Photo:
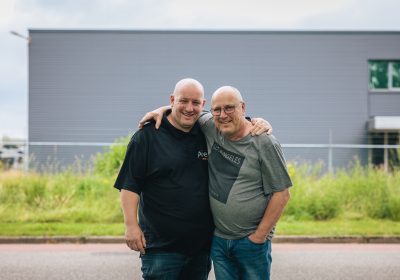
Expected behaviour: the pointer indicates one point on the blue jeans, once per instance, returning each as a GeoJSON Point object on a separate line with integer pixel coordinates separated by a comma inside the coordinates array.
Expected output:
{"type": "Point", "coordinates": [173, 266]}
{"type": "Point", "coordinates": [240, 259]}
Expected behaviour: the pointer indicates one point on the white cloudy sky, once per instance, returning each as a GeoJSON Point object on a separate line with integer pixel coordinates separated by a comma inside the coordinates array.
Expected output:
{"type": "Point", "coordinates": [21, 15]}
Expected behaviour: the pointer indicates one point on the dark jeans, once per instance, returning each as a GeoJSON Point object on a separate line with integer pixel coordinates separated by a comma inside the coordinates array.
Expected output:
{"type": "Point", "coordinates": [163, 265]}
{"type": "Point", "coordinates": [241, 259]}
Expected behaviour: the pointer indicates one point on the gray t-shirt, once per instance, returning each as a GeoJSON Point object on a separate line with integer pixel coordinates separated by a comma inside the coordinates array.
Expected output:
{"type": "Point", "coordinates": [243, 176]}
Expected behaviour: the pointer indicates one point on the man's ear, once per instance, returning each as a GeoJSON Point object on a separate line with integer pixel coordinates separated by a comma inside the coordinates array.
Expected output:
{"type": "Point", "coordinates": [171, 100]}
{"type": "Point", "coordinates": [243, 108]}
{"type": "Point", "coordinates": [204, 102]}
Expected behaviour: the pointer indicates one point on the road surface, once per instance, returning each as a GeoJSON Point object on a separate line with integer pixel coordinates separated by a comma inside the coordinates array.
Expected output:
{"type": "Point", "coordinates": [117, 262]}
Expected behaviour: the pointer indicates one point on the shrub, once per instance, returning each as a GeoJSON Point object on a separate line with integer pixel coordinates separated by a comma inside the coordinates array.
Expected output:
{"type": "Point", "coordinates": [61, 197]}
{"type": "Point", "coordinates": [34, 190]}
{"type": "Point", "coordinates": [313, 195]}
{"type": "Point", "coordinates": [359, 193]}
{"type": "Point", "coordinates": [321, 206]}
{"type": "Point", "coordinates": [394, 208]}
{"type": "Point", "coordinates": [109, 162]}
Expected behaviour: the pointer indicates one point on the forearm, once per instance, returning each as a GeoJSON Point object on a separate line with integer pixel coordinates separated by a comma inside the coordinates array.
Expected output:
{"type": "Point", "coordinates": [164, 108]}
{"type": "Point", "coordinates": [273, 212]}
{"type": "Point", "coordinates": [129, 204]}
{"type": "Point", "coordinates": [133, 234]}
{"type": "Point", "coordinates": [156, 115]}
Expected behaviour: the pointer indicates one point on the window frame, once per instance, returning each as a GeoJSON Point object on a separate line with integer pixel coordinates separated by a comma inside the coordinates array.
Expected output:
{"type": "Point", "coordinates": [390, 71]}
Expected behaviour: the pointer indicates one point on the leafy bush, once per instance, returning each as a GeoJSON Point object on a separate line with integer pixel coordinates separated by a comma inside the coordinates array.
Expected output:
{"type": "Point", "coordinates": [322, 207]}
{"type": "Point", "coordinates": [356, 193]}
{"type": "Point", "coordinates": [312, 195]}
{"type": "Point", "coordinates": [109, 162]}
{"type": "Point", "coordinates": [394, 208]}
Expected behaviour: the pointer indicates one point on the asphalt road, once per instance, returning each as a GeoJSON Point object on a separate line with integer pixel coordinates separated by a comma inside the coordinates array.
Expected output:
{"type": "Point", "coordinates": [115, 262]}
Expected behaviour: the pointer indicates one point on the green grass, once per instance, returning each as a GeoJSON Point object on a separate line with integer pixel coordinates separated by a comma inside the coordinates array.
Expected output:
{"type": "Point", "coordinates": [59, 198]}
{"type": "Point", "coordinates": [61, 229]}
{"type": "Point", "coordinates": [356, 201]}
{"type": "Point", "coordinates": [364, 192]}
{"type": "Point", "coordinates": [339, 227]}
{"type": "Point", "coordinates": [336, 227]}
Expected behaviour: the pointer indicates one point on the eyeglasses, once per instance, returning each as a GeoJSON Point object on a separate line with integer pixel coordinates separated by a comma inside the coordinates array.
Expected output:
{"type": "Point", "coordinates": [228, 109]}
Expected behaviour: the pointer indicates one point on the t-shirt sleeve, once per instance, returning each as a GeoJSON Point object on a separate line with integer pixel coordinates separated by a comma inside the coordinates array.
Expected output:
{"type": "Point", "coordinates": [205, 120]}
{"type": "Point", "coordinates": [133, 170]}
{"type": "Point", "coordinates": [274, 171]}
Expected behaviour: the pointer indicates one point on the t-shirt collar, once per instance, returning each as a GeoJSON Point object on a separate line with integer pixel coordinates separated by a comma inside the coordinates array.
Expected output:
{"type": "Point", "coordinates": [177, 132]}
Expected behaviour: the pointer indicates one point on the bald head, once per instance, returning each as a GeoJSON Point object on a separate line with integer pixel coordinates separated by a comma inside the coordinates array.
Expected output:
{"type": "Point", "coordinates": [228, 109]}
{"type": "Point", "coordinates": [188, 84]}
{"type": "Point", "coordinates": [230, 91]}
{"type": "Point", "coordinates": [187, 102]}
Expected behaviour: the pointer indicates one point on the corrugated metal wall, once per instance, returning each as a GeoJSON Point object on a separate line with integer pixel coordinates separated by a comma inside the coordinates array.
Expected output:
{"type": "Point", "coordinates": [94, 86]}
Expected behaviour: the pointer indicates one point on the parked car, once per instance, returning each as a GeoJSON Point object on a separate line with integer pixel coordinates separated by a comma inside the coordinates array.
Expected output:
{"type": "Point", "coordinates": [10, 155]}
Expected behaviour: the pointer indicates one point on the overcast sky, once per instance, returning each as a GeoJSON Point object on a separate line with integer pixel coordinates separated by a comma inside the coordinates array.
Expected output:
{"type": "Point", "coordinates": [21, 15]}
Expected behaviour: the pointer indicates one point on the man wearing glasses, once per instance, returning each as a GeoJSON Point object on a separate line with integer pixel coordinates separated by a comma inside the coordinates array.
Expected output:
{"type": "Point", "coordinates": [248, 189]}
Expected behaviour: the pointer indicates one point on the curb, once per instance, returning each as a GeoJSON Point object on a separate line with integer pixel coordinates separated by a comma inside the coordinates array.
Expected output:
{"type": "Point", "coordinates": [60, 239]}
{"type": "Point", "coordinates": [338, 239]}
{"type": "Point", "coordinates": [277, 239]}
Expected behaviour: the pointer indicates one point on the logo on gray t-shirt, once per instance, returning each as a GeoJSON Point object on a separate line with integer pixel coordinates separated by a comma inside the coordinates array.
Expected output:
{"type": "Point", "coordinates": [225, 166]}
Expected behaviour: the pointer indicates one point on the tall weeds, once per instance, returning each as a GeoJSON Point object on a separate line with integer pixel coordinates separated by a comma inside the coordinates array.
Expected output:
{"type": "Point", "coordinates": [63, 197]}
{"type": "Point", "coordinates": [357, 193]}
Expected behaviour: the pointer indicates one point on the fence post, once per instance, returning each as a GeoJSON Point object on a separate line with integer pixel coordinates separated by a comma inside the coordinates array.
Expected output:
{"type": "Point", "coordinates": [385, 152]}
{"type": "Point", "coordinates": [26, 156]}
{"type": "Point", "coordinates": [330, 153]}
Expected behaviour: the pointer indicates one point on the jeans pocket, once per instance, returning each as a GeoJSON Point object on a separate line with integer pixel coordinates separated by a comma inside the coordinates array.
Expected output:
{"type": "Point", "coordinates": [253, 243]}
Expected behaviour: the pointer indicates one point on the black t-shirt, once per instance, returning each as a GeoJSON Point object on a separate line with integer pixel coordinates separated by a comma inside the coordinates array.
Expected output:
{"type": "Point", "coordinates": [168, 169]}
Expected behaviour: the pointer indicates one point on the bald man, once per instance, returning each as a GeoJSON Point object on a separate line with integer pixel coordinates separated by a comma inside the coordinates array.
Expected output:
{"type": "Point", "coordinates": [165, 173]}
{"type": "Point", "coordinates": [248, 186]}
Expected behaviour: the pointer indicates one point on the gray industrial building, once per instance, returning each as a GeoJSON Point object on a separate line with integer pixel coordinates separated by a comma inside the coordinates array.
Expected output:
{"type": "Point", "coordinates": [328, 95]}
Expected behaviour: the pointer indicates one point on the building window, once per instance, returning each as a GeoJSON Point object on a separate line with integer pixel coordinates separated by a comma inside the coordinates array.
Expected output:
{"type": "Point", "coordinates": [378, 155]}
{"type": "Point", "coordinates": [395, 74]}
{"type": "Point", "coordinates": [384, 75]}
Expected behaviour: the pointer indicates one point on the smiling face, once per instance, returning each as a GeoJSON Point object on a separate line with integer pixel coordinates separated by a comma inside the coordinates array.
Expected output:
{"type": "Point", "coordinates": [228, 110]}
{"type": "Point", "coordinates": [187, 103]}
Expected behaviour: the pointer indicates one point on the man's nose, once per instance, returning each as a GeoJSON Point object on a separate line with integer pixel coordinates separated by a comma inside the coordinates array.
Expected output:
{"type": "Point", "coordinates": [189, 107]}
{"type": "Point", "coordinates": [223, 114]}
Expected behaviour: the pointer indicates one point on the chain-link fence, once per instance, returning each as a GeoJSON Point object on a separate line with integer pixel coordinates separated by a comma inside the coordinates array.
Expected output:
{"type": "Point", "coordinates": [55, 156]}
